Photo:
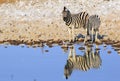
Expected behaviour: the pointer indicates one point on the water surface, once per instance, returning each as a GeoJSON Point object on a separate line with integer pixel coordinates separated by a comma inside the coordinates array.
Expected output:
{"type": "Point", "coordinates": [47, 64]}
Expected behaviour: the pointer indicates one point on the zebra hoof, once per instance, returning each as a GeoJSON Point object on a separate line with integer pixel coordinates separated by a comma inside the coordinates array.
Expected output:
{"type": "Point", "coordinates": [71, 41]}
{"type": "Point", "coordinates": [98, 42]}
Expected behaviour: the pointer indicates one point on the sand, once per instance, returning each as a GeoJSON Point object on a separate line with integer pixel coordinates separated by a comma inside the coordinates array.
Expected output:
{"type": "Point", "coordinates": [31, 22]}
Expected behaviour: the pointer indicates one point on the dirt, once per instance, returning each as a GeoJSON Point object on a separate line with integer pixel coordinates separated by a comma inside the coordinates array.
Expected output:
{"type": "Point", "coordinates": [37, 22]}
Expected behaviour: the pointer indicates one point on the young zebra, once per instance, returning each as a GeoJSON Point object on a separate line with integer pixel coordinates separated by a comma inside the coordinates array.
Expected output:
{"type": "Point", "coordinates": [93, 25]}
{"type": "Point", "coordinates": [89, 60]}
{"type": "Point", "coordinates": [74, 21]}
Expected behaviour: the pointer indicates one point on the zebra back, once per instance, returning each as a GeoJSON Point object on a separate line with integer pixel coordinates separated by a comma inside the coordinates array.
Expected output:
{"type": "Point", "coordinates": [94, 22]}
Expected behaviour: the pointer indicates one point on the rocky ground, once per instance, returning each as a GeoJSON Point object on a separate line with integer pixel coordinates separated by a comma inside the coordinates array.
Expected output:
{"type": "Point", "coordinates": [30, 22]}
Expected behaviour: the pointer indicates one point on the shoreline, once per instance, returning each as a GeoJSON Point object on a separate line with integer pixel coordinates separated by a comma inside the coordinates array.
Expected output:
{"type": "Point", "coordinates": [43, 20]}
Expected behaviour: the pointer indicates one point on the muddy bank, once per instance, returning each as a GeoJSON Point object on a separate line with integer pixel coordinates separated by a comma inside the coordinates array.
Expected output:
{"type": "Point", "coordinates": [31, 22]}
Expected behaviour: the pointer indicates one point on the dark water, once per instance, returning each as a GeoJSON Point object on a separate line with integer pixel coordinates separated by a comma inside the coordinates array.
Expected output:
{"type": "Point", "coordinates": [47, 64]}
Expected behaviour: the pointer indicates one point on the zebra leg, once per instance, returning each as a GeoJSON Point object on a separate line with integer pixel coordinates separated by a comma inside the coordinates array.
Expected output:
{"type": "Point", "coordinates": [69, 31]}
{"type": "Point", "coordinates": [70, 53]}
{"type": "Point", "coordinates": [85, 37]}
{"type": "Point", "coordinates": [96, 46]}
{"type": "Point", "coordinates": [92, 35]}
{"type": "Point", "coordinates": [73, 35]}
{"type": "Point", "coordinates": [74, 54]}
{"type": "Point", "coordinates": [86, 49]}
{"type": "Point", "coordinates": [96, 37]}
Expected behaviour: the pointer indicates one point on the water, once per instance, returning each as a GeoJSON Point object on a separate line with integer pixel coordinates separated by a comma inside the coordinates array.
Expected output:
{"type": "Point", "coordinates": [47, 64]}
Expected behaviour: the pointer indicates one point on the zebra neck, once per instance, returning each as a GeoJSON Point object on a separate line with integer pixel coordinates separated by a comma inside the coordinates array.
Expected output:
{"type": "Point", "coordinates": [68, 20]}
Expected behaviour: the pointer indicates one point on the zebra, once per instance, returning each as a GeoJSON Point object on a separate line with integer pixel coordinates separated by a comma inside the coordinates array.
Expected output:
{"type": "Point", "coordinates": [93, 25]}
{"type": "Point", "coordinates": [89, 60]}
{"type": "Point", "coordinates": [82, 19]}
{"type": "Point", "coordinates": [74, 21]}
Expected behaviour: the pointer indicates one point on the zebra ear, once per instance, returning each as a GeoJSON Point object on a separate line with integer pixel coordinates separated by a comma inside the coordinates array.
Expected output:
{"type": "Point", "coordinates": [64, 8]}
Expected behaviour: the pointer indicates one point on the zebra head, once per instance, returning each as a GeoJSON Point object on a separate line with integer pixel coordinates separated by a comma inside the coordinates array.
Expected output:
{"type": "Point", "coordinates": [68, 70]}
{"type": "Point", "coordinates": [66, 13]}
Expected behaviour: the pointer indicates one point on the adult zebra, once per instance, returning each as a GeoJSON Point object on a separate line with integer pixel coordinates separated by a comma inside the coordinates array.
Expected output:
{"type": "Point", "coordinates": [89, 60]}
{"type": "Point", "coordinates": [79, 20]}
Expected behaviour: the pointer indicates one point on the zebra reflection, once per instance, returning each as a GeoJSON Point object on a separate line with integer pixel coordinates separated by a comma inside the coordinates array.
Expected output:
{"type": "Point", "coordinates": [89, 60]}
